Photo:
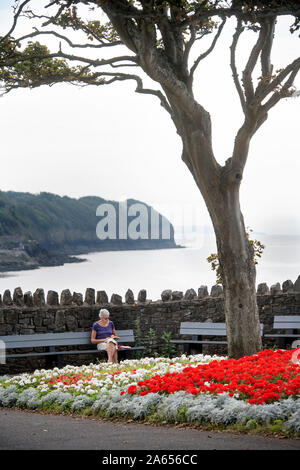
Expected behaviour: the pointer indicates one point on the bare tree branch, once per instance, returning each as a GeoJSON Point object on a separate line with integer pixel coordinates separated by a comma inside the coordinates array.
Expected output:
{"type": "Point", "coordinates": [246, 15]}
{"type": "Point", "coordinates": [284, 92]}
{"type": "Point", "coordinates": [189, 45]}
{"type": "Point", "coordinates": [266, 66]}
{"type": "Point", "coordinates": [59, 11]}
{"type": "Point", "coordinates": [238, 32]}
{"type": "Point", "coordinates": [16, 16]}
{"type": "Point", "coordinates": [65, 38]}
{"type": "Point", "coordinates": [251, 63]}
{"type": "Point", "coordinates": [255, 113]}
{"type": "Point", "coordinates": [167, 33]}
{"type": "Point", "coordinates": [209, 50]}
{"type": "Point", "coordinates": [71, 57]}
{"type": "Point", "coordinates": [95, 62]}
{"type": "Point", "coordinates": [264, 91]}
{"type": "Point", "coordinates": [125, 76]}
{"type": "Point", "coordinates": [75, 23]}
{"type": "Point", "coordinates": [167, 62]}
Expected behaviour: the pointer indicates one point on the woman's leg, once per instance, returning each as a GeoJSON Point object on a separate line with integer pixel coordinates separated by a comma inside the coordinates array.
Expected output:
{"type": "Point", "coordinates": [115, 356]}
{"type": "Point", "coordinates": [111, 352]}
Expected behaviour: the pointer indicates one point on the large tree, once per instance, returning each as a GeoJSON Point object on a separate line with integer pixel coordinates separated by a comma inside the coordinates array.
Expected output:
{"type": "Point", "coordinates": [160, 37]}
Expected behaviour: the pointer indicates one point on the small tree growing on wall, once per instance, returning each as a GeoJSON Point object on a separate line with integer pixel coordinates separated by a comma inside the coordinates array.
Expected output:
{"type": "Point", "coordinates": [213, 259]}
{"type": "Point", "coordinates": [159, 37]}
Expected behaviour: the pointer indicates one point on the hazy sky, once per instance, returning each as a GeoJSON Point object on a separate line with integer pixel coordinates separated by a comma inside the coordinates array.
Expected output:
{"type": "Point", "coordinates": [112, 142]}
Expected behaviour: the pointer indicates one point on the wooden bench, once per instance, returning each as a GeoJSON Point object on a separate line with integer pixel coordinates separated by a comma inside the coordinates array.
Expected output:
{"type": "Point", "coordinates": [52, 341]}
{"type": "Point", "coordinates": [289, 324]}
{"type": "Point", "coordinates": [199, 329]}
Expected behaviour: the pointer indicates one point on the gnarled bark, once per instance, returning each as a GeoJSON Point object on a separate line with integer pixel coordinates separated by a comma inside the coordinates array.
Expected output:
{"type": "Point", "coordinates": [220, 190]}
{"type": "Point", "coordinates": [236, 258]}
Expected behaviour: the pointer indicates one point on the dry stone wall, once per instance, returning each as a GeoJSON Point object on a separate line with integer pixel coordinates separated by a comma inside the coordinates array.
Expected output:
{"type": "Point", "coordinates": [32, 313]}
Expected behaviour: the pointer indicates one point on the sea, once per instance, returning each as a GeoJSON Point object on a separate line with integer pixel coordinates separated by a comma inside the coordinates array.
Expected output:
{"type": "Point", "coordinates": [156, 270]}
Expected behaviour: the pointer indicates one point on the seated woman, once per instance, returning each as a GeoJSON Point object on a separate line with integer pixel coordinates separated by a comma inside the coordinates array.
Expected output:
{"type": "Point", "coordinates": [103, 333]}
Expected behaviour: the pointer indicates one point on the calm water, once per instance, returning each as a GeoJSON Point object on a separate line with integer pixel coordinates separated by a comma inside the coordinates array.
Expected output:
{"type": "Point", "coordinates": [155, 270]}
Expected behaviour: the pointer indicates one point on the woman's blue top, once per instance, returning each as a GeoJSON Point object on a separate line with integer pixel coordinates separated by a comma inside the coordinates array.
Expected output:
{"type": "Point", "coordinates": [103, 332]}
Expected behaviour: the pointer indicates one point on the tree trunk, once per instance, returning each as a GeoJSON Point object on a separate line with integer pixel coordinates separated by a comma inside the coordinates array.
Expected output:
{"type": "Point", "coordinates": [238, 274]}
{"type": "Point", "coordinates": [219, 187]}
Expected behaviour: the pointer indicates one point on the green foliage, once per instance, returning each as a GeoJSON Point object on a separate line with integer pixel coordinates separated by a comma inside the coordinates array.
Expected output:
{"type": "Point", "coordinates": [168, 349]}
{"type": "Point", "coordinates": [213, 259]}
{"type": "Point", "coordinates": [138, 337]}
{"type": "Point", "coordinates": [277, 426]}
{"type": "Point", "coordinates": [252, 424]}
{"type": "Point", "coordinates": [47, 217]}
{"type": "Point", "coordinates": [45, 213]}
{"type": "Point", "coordinates": [34, 66]}
{"type": "Point", "coordinates": [148, 342]}
{"type": "Point", "coordinates": [94, 29]}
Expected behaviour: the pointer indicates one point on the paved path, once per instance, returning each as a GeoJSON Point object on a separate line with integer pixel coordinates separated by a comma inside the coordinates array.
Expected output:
{"type": "Point", "coordinates": [32, 431]}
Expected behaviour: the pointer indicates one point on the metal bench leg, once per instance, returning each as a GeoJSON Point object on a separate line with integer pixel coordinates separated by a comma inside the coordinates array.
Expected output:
{"type": "Point", "coordinates": [49, 362]}
{"type": "Point", "coordinates": [281, 343]}
{"type": "Point", "coordinates": [59, 359]}
{"type": "Point", "coordinates": [126, 353]}
{"type": "Point", "coordinates": [197, 348]}
{"type": "Point", "coordinates": [56, 360]}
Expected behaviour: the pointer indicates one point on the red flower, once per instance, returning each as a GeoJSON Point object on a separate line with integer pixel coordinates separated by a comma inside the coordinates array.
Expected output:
{"type": "Point", "coordinates": [132, 389]}
{"type": "Point", "coordinates": [261, 378]}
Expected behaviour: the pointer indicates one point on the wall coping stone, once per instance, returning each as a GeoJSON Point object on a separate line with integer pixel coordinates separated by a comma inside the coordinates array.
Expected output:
{"type": "Point", "coordinates": [94, 299]}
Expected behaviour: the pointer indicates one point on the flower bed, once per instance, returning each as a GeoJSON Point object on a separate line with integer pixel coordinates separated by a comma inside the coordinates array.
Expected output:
{"type": "Point", "coordinates": [263, 378]}
{"type": "Point", "coordinates": [264, 389]}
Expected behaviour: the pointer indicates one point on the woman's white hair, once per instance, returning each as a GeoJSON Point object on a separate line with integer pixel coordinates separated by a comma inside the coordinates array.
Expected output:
{"type": "Point", "coordinates": [103, 313]}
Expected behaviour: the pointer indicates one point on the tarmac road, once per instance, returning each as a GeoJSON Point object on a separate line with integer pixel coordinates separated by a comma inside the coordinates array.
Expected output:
{"type": "Point", "coordinates": [23, 430]}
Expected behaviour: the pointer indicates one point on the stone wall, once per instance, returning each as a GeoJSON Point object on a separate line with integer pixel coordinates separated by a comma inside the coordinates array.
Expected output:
{"type": "Point", "coordinates": [39, 313]}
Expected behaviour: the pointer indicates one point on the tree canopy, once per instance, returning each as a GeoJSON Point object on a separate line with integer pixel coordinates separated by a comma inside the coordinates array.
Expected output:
{"type": "Point", "coordinates": [163, 38]}
{"type": "Point", "coordinates": [167, 29]}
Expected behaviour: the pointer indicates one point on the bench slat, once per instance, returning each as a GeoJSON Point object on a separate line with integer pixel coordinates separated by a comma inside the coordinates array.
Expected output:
{"type": "Point", "coordinates": [66, 353]}
{"type": "Point", "coordinates": [286, 326]}
{"type": "Point", "coordinates": [287, 317]}
{"type": "Point", "coordinates": [196, 329]}
{"type": "Point", "coordinates": [203, 328]}
{"type": "Point", "coordinates": [286, 322]}
{"type": "Point", "coordinates": [291, 335]}
{"type": "Point", "coordinates": [197, 324]}
{"type": "Point", "coordinates": [44, 343]}
{"type": "Point", "coordinates": [64, 334]}
{"type": "Point", "coordinates": [58, 339]}
{"type": "Point", "coordinates": [52, 340]}
{"type": "Point", "coordinates": [203, 331]}
{"type": "Point", "coordinates": [206, 329]}
{"type": "Point", "coordinates": [186, 341]}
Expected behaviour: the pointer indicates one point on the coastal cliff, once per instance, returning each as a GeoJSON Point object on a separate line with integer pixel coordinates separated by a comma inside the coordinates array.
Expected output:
{"type": "Point", "coordinates": [46, 229]}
